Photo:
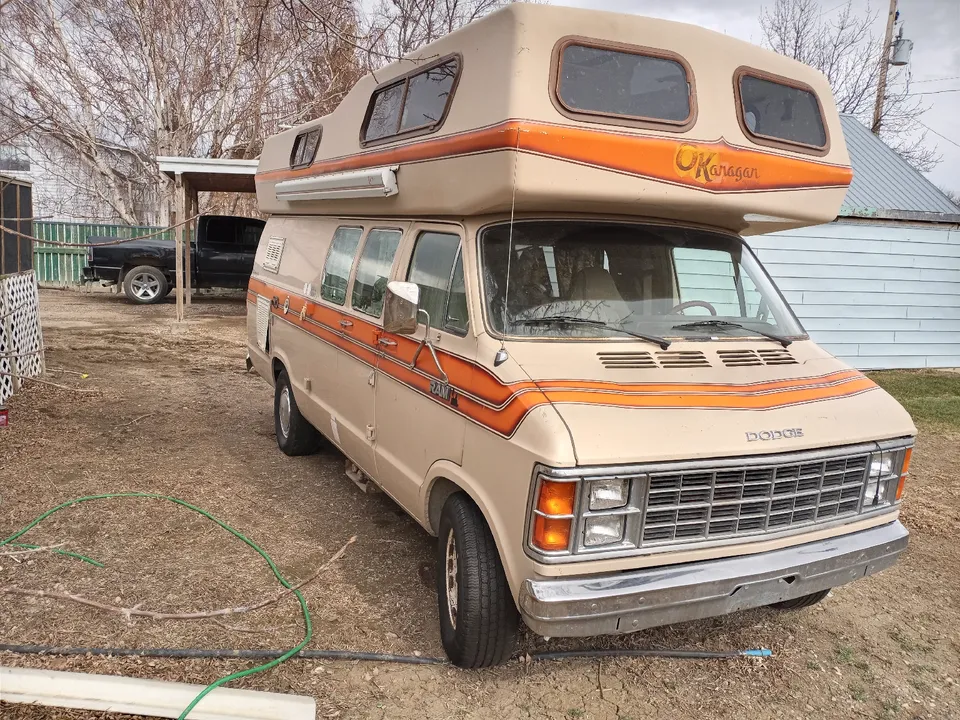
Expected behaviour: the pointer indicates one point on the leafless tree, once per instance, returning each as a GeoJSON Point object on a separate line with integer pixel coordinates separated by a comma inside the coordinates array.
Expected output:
{"type": "Point", "coordinates": [843, 46]}
{"type": "Point", "coordinates": [106, 87]}
{"type": "Point", "coordinates": [952, 195]}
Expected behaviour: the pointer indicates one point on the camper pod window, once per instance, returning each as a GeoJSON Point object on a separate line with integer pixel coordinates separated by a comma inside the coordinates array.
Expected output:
{"type": "Point", "coordinates": [415, 105]}
{"type": "Point", "coordinates": [624, 82]}
{"type": "Point", "coordinates": [571, 279]}
{"type": "Point", "coordinates": [305, 148]}
{"type": "Point", "coordinates": [779, 112]}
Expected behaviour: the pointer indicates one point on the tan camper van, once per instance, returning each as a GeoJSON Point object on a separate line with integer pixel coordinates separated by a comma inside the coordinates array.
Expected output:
{"type": "Point", "coordinates": [506, 278]}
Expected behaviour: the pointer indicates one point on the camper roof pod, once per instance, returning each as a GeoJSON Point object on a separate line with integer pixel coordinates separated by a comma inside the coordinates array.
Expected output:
{"type": "Point", "coordinates": [584, 111]}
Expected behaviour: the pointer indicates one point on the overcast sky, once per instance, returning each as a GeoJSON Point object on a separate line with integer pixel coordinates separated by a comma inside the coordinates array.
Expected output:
{"type": "Point", "coordinates": [933, 25]}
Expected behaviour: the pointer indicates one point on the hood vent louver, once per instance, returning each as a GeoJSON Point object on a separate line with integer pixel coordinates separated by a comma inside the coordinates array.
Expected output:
{"type": "Point", "coordinates": [627, 360]}
{"type": "Point", "coordinates": [682, 359]}
{"type": "Point", "coordinates": [751, 358]}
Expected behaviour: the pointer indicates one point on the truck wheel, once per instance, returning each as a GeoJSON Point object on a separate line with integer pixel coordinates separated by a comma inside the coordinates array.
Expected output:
{"type": "Point", "coordinates": [145, 285]}
{"type": "Point", "coordinates": [295, 435]}
{"type": "Point", "coordinates": [478, 618]}
{"type": "Point", "coordinates": [801, 602]}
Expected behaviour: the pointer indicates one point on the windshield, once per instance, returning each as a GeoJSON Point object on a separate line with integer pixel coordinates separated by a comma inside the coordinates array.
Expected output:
{"type": "Point", "coordinates": [600, 279]}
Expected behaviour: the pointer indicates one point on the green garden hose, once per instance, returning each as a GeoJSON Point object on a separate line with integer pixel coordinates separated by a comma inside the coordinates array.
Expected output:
{"type": "Point", "coordinates": [237, 534]}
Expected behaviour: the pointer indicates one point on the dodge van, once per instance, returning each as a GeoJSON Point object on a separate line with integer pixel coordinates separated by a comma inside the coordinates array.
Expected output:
{"type": "Point", "coordinates": [508, 279]}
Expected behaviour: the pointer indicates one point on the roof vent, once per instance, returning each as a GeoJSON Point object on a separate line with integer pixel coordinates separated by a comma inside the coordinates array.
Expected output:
{"type": "Point", "coordinates": [682, 359]}
{"type": "Point", "coordinates": [750, 358]}
{"type": "Point", "coordinates": [627, 360]}
{"type": "Point", "coordinates": [777, 356]}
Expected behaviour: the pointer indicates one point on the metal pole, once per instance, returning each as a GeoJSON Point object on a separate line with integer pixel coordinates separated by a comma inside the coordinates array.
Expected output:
{"type": "Point", "coordinates": [884, 64]}
{"type": "Point", "coordinates": [180, 204]}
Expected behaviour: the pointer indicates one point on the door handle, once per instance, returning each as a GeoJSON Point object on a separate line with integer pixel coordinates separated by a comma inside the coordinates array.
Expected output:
{"type": "Point", "coordinates": [387, 341]}
{"type": "Point", "coordinates": [346, 324]}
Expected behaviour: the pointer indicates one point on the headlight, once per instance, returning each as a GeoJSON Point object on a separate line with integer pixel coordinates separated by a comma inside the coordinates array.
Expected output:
{"type": "Point", "coordinates": [603, 530]}
{"type": "Point", "coordinates": [885, 477]}
{"type": "Point", "coordinates": [609, 494]}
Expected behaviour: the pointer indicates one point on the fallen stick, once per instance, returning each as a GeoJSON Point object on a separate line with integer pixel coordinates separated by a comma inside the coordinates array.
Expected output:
{"type": "Point", "coordinates": [154, 615]}
{"type": "Point", "coordinates": [135, 420]}
{"type": "Point", "coordinates": [11, 553]}
{"type": "Point", "coordinates": [47, 382]}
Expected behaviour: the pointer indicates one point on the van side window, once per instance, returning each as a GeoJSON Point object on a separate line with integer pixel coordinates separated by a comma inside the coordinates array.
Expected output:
{"type": "Point", "coordinates": [457, 317]}
{"type": "Point", "coordinates": [417, 102]}
{"type": "Point", "coordinates": [373, 272]}
{"type": "Point", "coordinates": [336, 268]}
{"type": "Point", "coordinates": [432, 268]}
{"type": "Point", "coordinates": [777, 111]}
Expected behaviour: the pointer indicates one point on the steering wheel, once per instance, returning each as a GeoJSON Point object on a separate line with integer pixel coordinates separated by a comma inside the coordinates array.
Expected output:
{"type": "Point", "coordinates": [693, 303]}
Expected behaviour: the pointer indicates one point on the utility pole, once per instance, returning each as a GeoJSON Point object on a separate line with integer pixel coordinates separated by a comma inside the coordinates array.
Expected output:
{"type": "Point", "coordinates": [884, 64]}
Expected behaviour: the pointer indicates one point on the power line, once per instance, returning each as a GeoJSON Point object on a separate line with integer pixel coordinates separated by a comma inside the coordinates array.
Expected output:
{"type": "Point", "coordinates": [944, 137]}
{"type": "Point", "coordinates": [934, 92]}
{"type": "Point", "coordinates": [952, 77]}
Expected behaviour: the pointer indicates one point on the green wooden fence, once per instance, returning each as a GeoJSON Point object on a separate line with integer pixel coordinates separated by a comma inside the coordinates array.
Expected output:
{"type": "Point", "coordinates": [63, 266]}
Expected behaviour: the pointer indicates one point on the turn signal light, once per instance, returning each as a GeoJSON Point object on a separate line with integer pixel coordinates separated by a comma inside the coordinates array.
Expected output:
{"type": "Point", "coordinates": [551, 533]}
{"type": "Point", "coordinates": [554, 499]}
{"type": "Point", "coordinates": [904, 471]}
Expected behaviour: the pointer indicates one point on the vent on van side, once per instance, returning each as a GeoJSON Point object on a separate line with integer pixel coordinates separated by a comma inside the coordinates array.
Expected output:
{"type": "Point", "coordinates": [271, 259]}
{"type": "Point", "coordinates": [749, 358]}
{"type": "Point", "coordinates": [627, 360]}
{"type": "Point", "coordinates": [682, 359]}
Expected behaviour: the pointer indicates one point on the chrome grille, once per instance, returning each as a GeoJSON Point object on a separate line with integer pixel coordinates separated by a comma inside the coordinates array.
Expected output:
{"type": "Point", "coordinates": [707, 504]}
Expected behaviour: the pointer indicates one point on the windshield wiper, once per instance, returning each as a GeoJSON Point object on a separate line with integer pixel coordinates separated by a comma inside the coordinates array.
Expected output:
{"type": "Point", "coordinates": [573, 320]}
{"type": "Point", "coordinates": [731, 325]}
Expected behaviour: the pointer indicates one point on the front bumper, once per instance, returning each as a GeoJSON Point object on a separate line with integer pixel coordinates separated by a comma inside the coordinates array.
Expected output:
{"type": "Point", "coordinates": [634, 600]}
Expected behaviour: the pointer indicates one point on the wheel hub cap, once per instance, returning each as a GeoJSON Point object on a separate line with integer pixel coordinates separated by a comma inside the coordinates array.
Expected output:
{"type": "Point", "coordinates": [145, 286]}
{"type": "Point", "coordinates": [451, 578]}
{"type": "Point", "coordinates": [285, 411]}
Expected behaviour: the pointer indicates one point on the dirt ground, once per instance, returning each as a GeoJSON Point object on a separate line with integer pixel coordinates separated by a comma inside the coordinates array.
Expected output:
{"type": "Point", "coordinates": [169, 409]}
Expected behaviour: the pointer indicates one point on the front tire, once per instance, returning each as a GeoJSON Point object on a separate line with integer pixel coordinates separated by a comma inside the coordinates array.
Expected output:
{"type": "Point", "coordinates": [295, 434]}
{"type": "Point", "coordinates": [478, 618]}
{"type": "Point", "coordinates": [801, 602]}
{"type": "Point", "coordinates": [145, 285]}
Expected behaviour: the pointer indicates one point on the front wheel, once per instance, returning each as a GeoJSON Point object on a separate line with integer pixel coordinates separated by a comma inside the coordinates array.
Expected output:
{"type": "Point", "coordinates": [801, 602]}
{"type": "Point", "coordinates": [145, 285]}
{"type": "Point", "coordinates": [478, 618]}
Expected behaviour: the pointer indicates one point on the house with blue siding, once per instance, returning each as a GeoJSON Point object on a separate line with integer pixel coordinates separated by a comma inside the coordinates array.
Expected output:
{"type": "Point", "coordinates": [880, 286]}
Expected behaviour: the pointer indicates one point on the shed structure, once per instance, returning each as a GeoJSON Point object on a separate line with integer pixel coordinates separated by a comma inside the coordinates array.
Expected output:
{"type": "Point", "coordinates": [880, 286]}
{"type": "Point", "coordinates": [191, 176]}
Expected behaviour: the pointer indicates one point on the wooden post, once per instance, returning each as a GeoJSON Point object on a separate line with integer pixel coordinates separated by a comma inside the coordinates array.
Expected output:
{"type": "Point", "coordinates": [180, 205]}
{"type": "Point", "coordinates": [192, 204]}
{"type": "Point", "coordinates": [884, 64]}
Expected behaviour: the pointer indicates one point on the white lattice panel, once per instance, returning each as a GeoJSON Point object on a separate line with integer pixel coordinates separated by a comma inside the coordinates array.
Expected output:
{"type": "Point", "coordinates": [21, 340]}
{"type": "Point", "coordinates": [263, 322]}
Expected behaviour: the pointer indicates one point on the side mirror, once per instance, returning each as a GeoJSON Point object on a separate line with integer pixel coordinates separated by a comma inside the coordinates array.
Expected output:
{"type": "Point", "coordinates": [401, 308]}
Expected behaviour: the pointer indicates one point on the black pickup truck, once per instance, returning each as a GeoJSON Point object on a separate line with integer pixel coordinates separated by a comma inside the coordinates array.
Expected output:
{"type": "Point", "coordinates": [221, 256]}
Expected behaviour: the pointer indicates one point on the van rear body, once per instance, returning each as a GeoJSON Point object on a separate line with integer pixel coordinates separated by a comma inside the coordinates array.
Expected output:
{"type": "Point", "coordinates": [509, 283]}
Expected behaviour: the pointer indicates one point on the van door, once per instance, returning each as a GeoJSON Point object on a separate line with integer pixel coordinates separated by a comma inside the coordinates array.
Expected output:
{"type": "Point", "coordinates": [360, 326]}
{"type": "Point", "coordinates": [417, 419]}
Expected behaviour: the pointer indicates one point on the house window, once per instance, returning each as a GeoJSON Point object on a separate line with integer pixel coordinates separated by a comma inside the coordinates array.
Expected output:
{"type": "Point", "coordinates": [417, 103]}
{"type": "Point", "coordinates": [305, 148]}
{"type": "Point", "coordinates": [13, 159]}
{"type": "Point", "coordinates": [623, 83]}
{"type": "Point", "coordinates": [774, 112]}
{"type": "Point", "coordinates": [437, 267]}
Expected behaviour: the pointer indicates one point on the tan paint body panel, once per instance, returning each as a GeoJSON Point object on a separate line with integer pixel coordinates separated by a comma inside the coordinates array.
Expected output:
{"type": "Point", "coordinates": [504, 122]}
{"type": "Point", "coordinates": [553, 402]}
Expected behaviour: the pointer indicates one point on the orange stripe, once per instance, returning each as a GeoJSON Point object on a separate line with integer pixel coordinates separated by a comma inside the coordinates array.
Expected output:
{"type": "Point", "coordinates": [715, 166]}
{"type": "Point", "coordinates": [502, 406]}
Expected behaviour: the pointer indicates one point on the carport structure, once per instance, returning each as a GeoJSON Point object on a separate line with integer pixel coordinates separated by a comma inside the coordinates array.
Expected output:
{"type": "Point", "coordinates": [191, 176]}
